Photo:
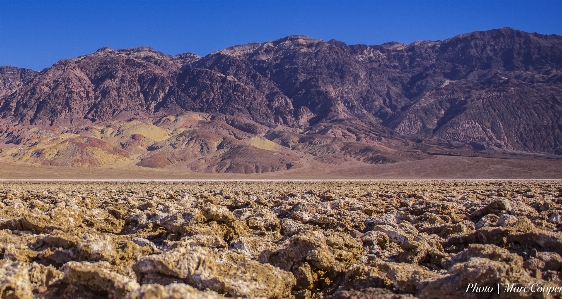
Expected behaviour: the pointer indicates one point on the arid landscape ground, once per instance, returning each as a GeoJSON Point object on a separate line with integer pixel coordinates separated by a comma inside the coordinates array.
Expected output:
{"type": "Point", "coordinates": [293, 168]}
{"type": "Point", "coordinates": [438, 167]}
{"type": "Point", "coordinates": [332, 239]}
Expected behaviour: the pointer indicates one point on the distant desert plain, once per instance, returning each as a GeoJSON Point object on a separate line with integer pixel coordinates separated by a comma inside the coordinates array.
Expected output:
{"type": "Point", "coordinates": [435, 168]}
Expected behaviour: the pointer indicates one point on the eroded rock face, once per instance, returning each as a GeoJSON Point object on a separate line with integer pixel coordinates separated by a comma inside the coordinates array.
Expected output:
{"type": "Point", "coordinates": [440, 89]}
{"type": "Point", "coordinates": [278, 239]}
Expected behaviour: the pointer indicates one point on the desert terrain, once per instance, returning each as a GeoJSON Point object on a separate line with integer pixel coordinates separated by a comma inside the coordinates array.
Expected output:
{"type": "Point", "coordinates": [273, 239]}
{"type": "Point", "coordinates": [437, 167]}
{"type": "Point", "coordinates": [292, 168]}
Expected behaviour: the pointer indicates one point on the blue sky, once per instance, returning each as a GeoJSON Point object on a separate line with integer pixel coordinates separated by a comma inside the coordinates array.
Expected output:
{"type": "Point", "coordinates": [36, 34]}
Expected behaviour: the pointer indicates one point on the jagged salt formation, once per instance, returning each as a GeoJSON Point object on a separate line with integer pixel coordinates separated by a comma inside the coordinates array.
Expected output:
{"type": "Point", "coordinates": [278, 239]}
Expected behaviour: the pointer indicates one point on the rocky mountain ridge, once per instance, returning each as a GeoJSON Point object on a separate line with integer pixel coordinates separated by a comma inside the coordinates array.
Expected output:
{"type": "Point", "coordinates": [497, 90]}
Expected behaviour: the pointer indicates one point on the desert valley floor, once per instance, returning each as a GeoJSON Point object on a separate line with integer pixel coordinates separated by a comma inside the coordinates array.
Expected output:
{"type": "Point", "coordinates": [438, 167]}
{"type": "Point", "coordinates": [305, 239]}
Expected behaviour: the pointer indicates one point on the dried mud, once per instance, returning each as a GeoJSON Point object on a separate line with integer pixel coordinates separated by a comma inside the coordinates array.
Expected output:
{"type": "Point", "coordinates": [336, 239]}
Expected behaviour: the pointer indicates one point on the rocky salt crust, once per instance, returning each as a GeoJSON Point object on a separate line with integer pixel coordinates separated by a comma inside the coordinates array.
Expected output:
{"type": "Point", "coordinates": [280, 239]}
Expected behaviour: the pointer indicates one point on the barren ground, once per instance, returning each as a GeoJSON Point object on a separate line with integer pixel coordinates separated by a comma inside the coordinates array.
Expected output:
{"type": "Point", "coordinates": [439, 167]}
{"type": "Point", "coordinates": [338, 239]}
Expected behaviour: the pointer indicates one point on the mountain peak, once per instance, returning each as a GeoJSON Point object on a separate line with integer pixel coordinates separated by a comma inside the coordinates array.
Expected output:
{"type": "Point", "coordinates": [298, 39]}
{"type": "Point", "coordinates": [141, 49]}
{"type": "Point", "coordinates": [104, 50]}
{"type": "Point", "coordinates": [504, 32]}
{"type": "Point", "coordinates": [301, 37]}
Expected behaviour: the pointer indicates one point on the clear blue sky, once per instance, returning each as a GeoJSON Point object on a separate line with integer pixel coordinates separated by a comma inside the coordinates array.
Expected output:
{"type": "Point", "coordinates": [36, 34]}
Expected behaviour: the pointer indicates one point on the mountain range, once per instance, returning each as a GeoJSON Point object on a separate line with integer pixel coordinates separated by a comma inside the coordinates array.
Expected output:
{"type": "Point", "coordinates": [288, 104]}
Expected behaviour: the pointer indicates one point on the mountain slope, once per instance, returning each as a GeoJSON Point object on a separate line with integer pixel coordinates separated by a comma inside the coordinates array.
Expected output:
{"type": "Point", "coordinates": [11, 78]}
{"type": "Point", "coordinates": [328, 101]}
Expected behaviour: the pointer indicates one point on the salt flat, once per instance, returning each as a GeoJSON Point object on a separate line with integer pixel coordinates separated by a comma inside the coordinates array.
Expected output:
{"type": "Point", "coordinates": [277, 239]}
